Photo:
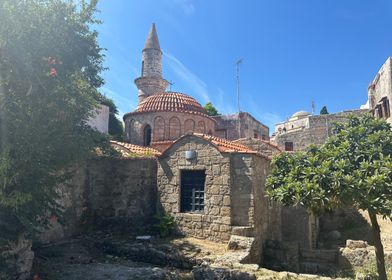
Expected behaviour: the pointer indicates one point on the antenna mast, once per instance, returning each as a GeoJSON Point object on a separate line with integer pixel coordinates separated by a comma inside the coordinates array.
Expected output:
{"type": "Point", "coordinates": [170, 85]}
{"type": "Point", "coordinates": [239, 61]}
{"type": "Point", "coordinates": [313, 108]}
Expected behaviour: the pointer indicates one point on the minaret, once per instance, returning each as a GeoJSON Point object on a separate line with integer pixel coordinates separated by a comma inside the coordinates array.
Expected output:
{"type": "Point", "coordinates": [151, 81]}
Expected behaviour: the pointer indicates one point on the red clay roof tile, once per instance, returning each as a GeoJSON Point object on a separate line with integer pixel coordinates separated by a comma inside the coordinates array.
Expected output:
{"type": "Point", "coordinates": [129, 150]}
{"type": "Point", "coordinates": [170, 101]}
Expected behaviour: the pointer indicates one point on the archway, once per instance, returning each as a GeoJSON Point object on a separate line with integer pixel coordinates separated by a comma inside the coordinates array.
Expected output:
{"type": "Point", "coordinates": [147, 135]}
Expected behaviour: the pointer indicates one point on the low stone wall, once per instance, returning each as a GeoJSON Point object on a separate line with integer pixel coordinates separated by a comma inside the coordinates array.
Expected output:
{"type": "Point", "coordinates": [299, 227]}
{"type": "Point", "coordinates": [16, 259]}
{"type": "Point", "coordinates": [107, 193]}
{"type": "Point", "coordinates": [121, 194]}
{"type": "Point", "coordinates": [358, 253]}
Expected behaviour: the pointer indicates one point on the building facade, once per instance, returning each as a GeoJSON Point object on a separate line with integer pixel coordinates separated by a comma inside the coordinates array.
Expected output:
{"type": "Point", "coordinates": [214, 188]}
{"type": "Point", "coordinates": [380, 92]}
{"type": "Point", "coordinates": [303, 129]}
{"type": "Point", "coordinates": [99, 119]}
{"type": "Point", "coordinates": [240, 125]}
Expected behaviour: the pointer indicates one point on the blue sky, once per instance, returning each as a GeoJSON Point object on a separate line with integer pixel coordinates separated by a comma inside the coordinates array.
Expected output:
{"type": "Point", "coordinates": [294, 51]}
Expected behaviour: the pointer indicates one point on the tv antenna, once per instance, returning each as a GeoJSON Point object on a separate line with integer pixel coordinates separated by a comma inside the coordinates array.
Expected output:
{"type": "Point", "coordinates": [239, 61]}
{"type": "Point", "coordinates": [170, 85]}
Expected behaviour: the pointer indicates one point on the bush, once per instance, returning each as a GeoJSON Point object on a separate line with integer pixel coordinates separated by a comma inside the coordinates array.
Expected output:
{"type": "Point", "coordinates": [166, 225]}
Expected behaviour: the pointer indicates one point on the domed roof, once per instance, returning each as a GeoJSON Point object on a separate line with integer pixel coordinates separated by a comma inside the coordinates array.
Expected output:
{"type": "Point", "coordinates": [170, 102]}
{"type": "Point", "coordinates": [300, 114]}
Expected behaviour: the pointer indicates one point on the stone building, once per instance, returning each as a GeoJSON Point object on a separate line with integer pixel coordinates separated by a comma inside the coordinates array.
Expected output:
{"type": "Point", "coordinates": [99, 119]}
{"type": "Point", "coordinates": [240, 125]}
{"type": "Point", "coordinates": [264, 147]}
{"type": "Point", "coordinates": [215, 188]}
{"type": "Point", "coordinates": [165, 117]}
{"type": "Point", "coordinates": [162, 117]}
{"type": "Point", "coordinates": [303, 129]}
{"type": "Point", "coordinates": [380, 92]}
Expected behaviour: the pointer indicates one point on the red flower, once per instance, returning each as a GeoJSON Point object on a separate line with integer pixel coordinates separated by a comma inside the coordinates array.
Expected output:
{"type": "Point", "coordinates": [53, 72]}
{"type": "Point", "coordinates": [53, 218]}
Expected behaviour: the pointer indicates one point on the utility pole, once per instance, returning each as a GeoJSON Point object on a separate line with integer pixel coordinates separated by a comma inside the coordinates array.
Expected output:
{"type": "Point", "coordinates": [239, 61]}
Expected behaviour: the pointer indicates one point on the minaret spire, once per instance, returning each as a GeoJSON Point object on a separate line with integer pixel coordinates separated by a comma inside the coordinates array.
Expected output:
{"type": "Point", "coordinates": [152, 41]}
{"type": "Point", "coordinates": [151, 81]}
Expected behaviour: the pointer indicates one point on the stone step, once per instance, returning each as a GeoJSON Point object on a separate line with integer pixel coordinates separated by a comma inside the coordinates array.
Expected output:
{"type": "Point", "coordinates": [317, 268]}
{"type": "Point", "coordinates": [320, 256]}
{"type": "Point", "coordinates": [243, 231]}
{"type": "Point", "coordinates": [238, 242]}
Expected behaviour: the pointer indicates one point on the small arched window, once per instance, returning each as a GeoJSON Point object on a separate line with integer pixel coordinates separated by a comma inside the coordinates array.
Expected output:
{"type": "Point", "coordinates": [147, 135]}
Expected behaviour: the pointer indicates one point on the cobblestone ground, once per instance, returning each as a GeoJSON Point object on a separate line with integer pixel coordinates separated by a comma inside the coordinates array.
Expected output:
{"type": "Point", "coordinates": [97, 258]}
{"type": "Point", "coordinates": [87, 258]}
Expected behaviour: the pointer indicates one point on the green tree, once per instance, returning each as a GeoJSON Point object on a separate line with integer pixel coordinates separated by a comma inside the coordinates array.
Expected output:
{"type": "Point", "coordinates": [210, 109]}
{"type": "Point", "coordinates": [116, 128]}
{"type": "Point", "coordinates": [324, 111]}
{"type": "Point", "coordinates": [353, 168]}
{"type": "Point", "coordinates": [50, 63]}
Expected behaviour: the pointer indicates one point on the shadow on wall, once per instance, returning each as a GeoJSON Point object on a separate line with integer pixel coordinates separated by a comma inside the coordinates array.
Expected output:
{"type": "Point", "coordinates": [120, 195]}
{"type": "Point", "coordinates": [341, 224]}
{"type": "Point", "coordinates": [241, 193]}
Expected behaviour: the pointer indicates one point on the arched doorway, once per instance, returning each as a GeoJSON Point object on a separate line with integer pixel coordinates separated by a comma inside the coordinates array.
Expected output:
{"type": "Point", "coordinates": [147, 135]}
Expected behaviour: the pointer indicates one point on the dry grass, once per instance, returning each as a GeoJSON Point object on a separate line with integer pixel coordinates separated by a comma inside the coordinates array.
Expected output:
{"type": "Point", "coordinates": [201, 245]}
{"type": "Point", "coordinates": [386, 229]}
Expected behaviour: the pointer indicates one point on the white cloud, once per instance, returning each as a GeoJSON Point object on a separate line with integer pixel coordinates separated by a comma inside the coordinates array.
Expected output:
{"type": "Point", "coordinates": [267, 118]}
{"type": "Point", "coordinates": [271, 118]}
{"type": "Point", "coordinates": [222, 104]}
{"type": "Point", "coordinates": [194, 82]}
{"type": "Point", "coordinates": [187, 6]}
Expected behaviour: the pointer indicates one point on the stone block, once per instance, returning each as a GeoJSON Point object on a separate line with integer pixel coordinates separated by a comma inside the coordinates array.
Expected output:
{"type": "Point", "coordinates": [216, 169]}
{"type": "Point", "coordinates": [225, 211]}
{"type": "Point", "coordinates": [226, 200]}
{"type": "Point", "coordinates": [214, 189]}
{"type": "Point", "coordinates": [216, 199]}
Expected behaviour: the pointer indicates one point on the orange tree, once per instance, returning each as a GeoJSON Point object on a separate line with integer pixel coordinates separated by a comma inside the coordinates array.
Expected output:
{"type": "Point", "coordinates": [353, 168]}
{"type": "Point", "coordinates": [50, 64]}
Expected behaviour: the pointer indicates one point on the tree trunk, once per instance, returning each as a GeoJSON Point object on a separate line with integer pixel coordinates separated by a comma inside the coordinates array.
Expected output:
{"type": "Point", "coordinates": [382, 275]}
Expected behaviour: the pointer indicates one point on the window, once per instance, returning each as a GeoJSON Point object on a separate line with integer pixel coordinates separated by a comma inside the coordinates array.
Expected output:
{"type": "Point", "coordinates": [385, 107]}
{"type": "Point", "coordinates": [192, 190]}
{"type": "Point", "coordinates": [142, 67]}
{"type": "Point", "coordinates": [378, 111]}
{"type": "Point", "coordinates": [288, 146]}
{"type": "Point", "coordinates": [147, 135]}
{"type": "Point", "coordinates": [255, 134]}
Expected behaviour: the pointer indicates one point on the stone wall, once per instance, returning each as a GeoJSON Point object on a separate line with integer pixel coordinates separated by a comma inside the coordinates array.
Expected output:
{"type": "Point", "coordinates": [16, 259]}
{"type": "Point", "coordinates": [298, 227]}
{"type": "Point", "coordinates": [319, 129]}
{"type": "Point", "coordinates": [215, 222]}
{"type": "Point", "coordinates": [165, 125]}
{"type": "Point", "coordinates": [121, 194]}
{"type": "Point", "coordinates": [107, 193]}
{"type": "Point", "coordinates": [241, 125]}
{"type": "Point", "coordinates": [264, 147]}
{"type": "Point", "coordinates": [292, 124]}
